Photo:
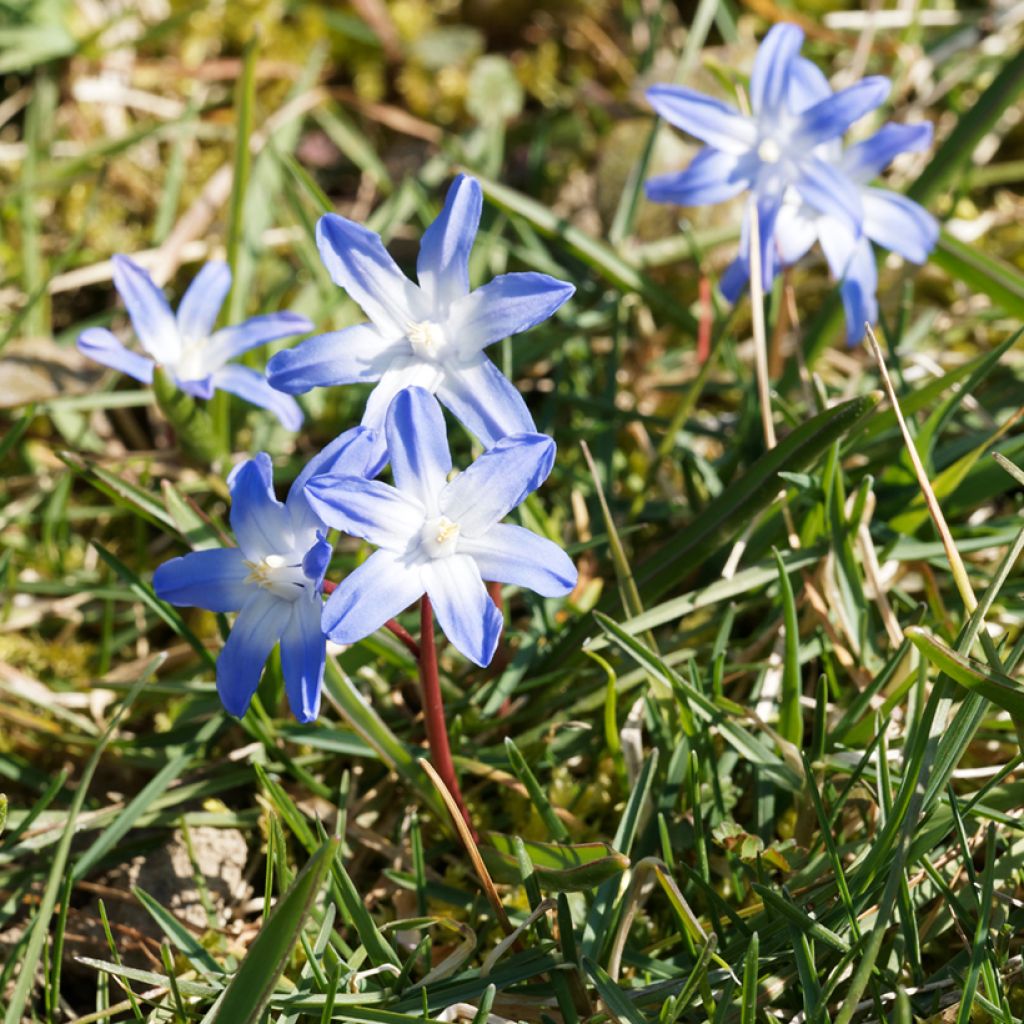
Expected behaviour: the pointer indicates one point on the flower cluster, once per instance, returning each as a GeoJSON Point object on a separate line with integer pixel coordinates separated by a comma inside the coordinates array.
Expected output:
{"type": "Point", "coordinates": [804, 186]}
{"type": "Point", "coordinates": [437, 536]}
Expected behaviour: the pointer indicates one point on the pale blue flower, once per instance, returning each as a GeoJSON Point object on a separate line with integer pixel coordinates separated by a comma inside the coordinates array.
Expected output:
{"type": "Point", "coordinates": [775, 149]}
{"type": "Point", "coordinates": [431, 334]}
{"type": "Point", "coordinates": [890, 219]}
{"type": "Point", "coordinates": [273, 579]}
{"type": "Point", "coordinates": [187, 346]}
{"type": "Point", "coordinates": [439, 537]}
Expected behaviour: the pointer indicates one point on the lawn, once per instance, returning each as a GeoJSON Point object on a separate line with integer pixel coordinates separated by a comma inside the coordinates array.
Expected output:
{"type": "Point", "coordinates": [733, 733]}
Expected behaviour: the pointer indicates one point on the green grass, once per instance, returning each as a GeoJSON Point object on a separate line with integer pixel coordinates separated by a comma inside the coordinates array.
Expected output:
{"type": "Point", "coordinates": [755, 769]}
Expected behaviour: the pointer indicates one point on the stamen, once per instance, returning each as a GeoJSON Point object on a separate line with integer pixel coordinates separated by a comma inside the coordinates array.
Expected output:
{"type": "Point", "coordinates": [277, 574]}
{"type": "Point", "coordinates": [427, 338]}
{"type": "Point", "coordinates": [439, 537]}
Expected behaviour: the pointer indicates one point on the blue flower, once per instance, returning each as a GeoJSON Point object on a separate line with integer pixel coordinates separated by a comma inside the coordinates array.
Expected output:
{"type": "Point", "coordinates": [890, 219]}
{"type": "Point", "coordinates": [187, 346]}
{"type": "Point", "coordinates": [431, 335]}
{"type": "Point", "coordinates": [439, 537]}
{"type": "Point", "coordinates": [776, 149]}
{"type": "Point", "coordinates": [273, 579]}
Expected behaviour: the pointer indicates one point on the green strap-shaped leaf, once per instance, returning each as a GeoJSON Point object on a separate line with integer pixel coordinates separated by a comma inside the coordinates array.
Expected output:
{"type": "Point", "coordinates": [742, 499]}
{"type": "Point", "coordinates": [560, 867]}
{"type": "Point", "coordinates": [249, 991]}
{"type": "Point", "coordinates": [1004, 692]}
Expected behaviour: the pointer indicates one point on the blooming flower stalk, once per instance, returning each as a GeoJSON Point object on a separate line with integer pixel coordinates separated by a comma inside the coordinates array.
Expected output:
{"type": "Point", "coordinates": [773, 150]}
{"type": "Point", "coordinates": [186, 345]}
{"type": "Point", "coordinates": [273, 579]}
{"type": "Point", "coordinates": [431, 334]}
{"type": "Point", "coordinates": [438, 537]}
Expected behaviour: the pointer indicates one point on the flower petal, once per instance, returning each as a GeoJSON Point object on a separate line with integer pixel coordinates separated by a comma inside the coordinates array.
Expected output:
{"type": "Point", "coordinates": [807, 85]}
{"type": "Point", "coordinates": [212, 579]}
{"type": "Point", "coordinates": [253, 387]}
{"type": "Point", "coordinates": [712, 177]}
{"type": "Point", "coordinates": [349, 454]}
{"type": "Point", "coordinates": [506, 305]}
{"type": "Point", "coordinates": [200, 305]}
{"type": "Point", "coordinates": [303, 654]}
{"type": "Point", "coordinates": [498, 481]}
{"type": "Point", "coordinates": [733, 282]}
{"type": "Point", "coordinates": [898, 223]}
{"type": "Point", "coordinates": [258, 519]}
{"type": "Point", "coordinates": [257, 629]}
{"type": "Point", "coordinates": [258, 330]}
{"type": "Point", "coordinates": [831, 116]}
{"type": "Point", "coordinates": [151, 317]}
{"type": "Point", "coordinates": [405, 371]}
{"type": "Point", "coordinates": [796, 230]}
{"type": "Point", "coordinates": [866, 160]}
{"type": "Point", "coordinates": [507, 553]}
{"type": "Point", "coordinates": [710, 120]}
{"type": "Point", "coordinates": [418, 444]}
{"type": "Point", "coordinates": [859, 291]}
{"type": "Point", "coordinates": [829, 191]}
{"type": "Point", "coordinates": [769, 81]}
{"type": "Point", "coordinates": [384, 585]}
{"type": "Point", "coordinates": [464, 611]}
{"type": "Point", "coordinates": [485, 401]}
{"type": "Point", "coordinates": [354, 355]}
{"type": "Point", "coordinates": [443, 265]}
{"type": "Point", "coordinates": [99, 344]}
{"type": "Point", "coordinates": [356, 259]}
{"type": "Point", "coordinates": [370, 509]}
{"type": "Point", "coordinates": [838, 244]}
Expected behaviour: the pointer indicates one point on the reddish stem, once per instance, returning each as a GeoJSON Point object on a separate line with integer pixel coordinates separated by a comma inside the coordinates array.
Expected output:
{"type": "Point", "coordinates": [396, 628]}
{"type": "Point", "coordinates": [433, 711]}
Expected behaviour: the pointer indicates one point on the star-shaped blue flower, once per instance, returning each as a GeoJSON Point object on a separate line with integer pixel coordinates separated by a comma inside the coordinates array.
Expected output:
{"type": "Point", "coordinates": [187, 346]}
{"type": "Point", "coordinates": [438, 537]}
{"type": "Point", "coordinates": [890, 219]}
{"type": "Point", "coordinates": [774, 149]}
{"type": "Point", "coordinates": [273, 579]}
{"type": "Point", "coordinates": [431, 334]}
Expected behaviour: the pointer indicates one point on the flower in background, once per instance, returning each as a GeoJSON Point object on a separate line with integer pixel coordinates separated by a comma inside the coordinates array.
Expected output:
{"type": "Point", "coordinates": [273, 579]}
{"type": "Point", "coordinates": [890, 219]}
{"type": "Point", "coordinates": [439, 537]}
{"type": "Point", "coordinates": [431, 335]}
{"type": "Point", "coordinates": [774, 150]}
{"type": "Point", "coordinates": [187, 346]}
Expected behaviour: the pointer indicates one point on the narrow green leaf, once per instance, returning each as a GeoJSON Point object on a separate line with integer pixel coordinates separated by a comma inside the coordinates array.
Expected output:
{"type": "Point", "coordinates": [791, 723]}
{"type": "Point", "coordinates": [981, 272]}
{"type": "Point", "coordinates": [619, 1005]}
{"type": "Point", "coordinates": [249, 991]}
{"type": "Point", "coordinates": [555, 826]}
{"type": "Point", "coordinates": [558, 867]}
{"type": "Point", "coordinates": [1000, 689]}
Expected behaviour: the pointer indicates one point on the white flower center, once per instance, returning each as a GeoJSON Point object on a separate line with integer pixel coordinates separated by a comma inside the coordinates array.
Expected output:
{"type": "Point", "coordinates": [191, 364]}
{"type": "Point", "coordinates": [427, 339]}
{"type": "Point", "coordinates": [769, 151]}
{"type": "Point", "coordinates": [439, 537]}
{"type": "Point", "coordinates": [282, 576]}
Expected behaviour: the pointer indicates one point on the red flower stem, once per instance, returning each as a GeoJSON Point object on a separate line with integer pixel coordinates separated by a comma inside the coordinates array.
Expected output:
{"type": "Point", "coordinates": [433, 712]}
{"type": "Point", "coordinates": [396, 628]}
